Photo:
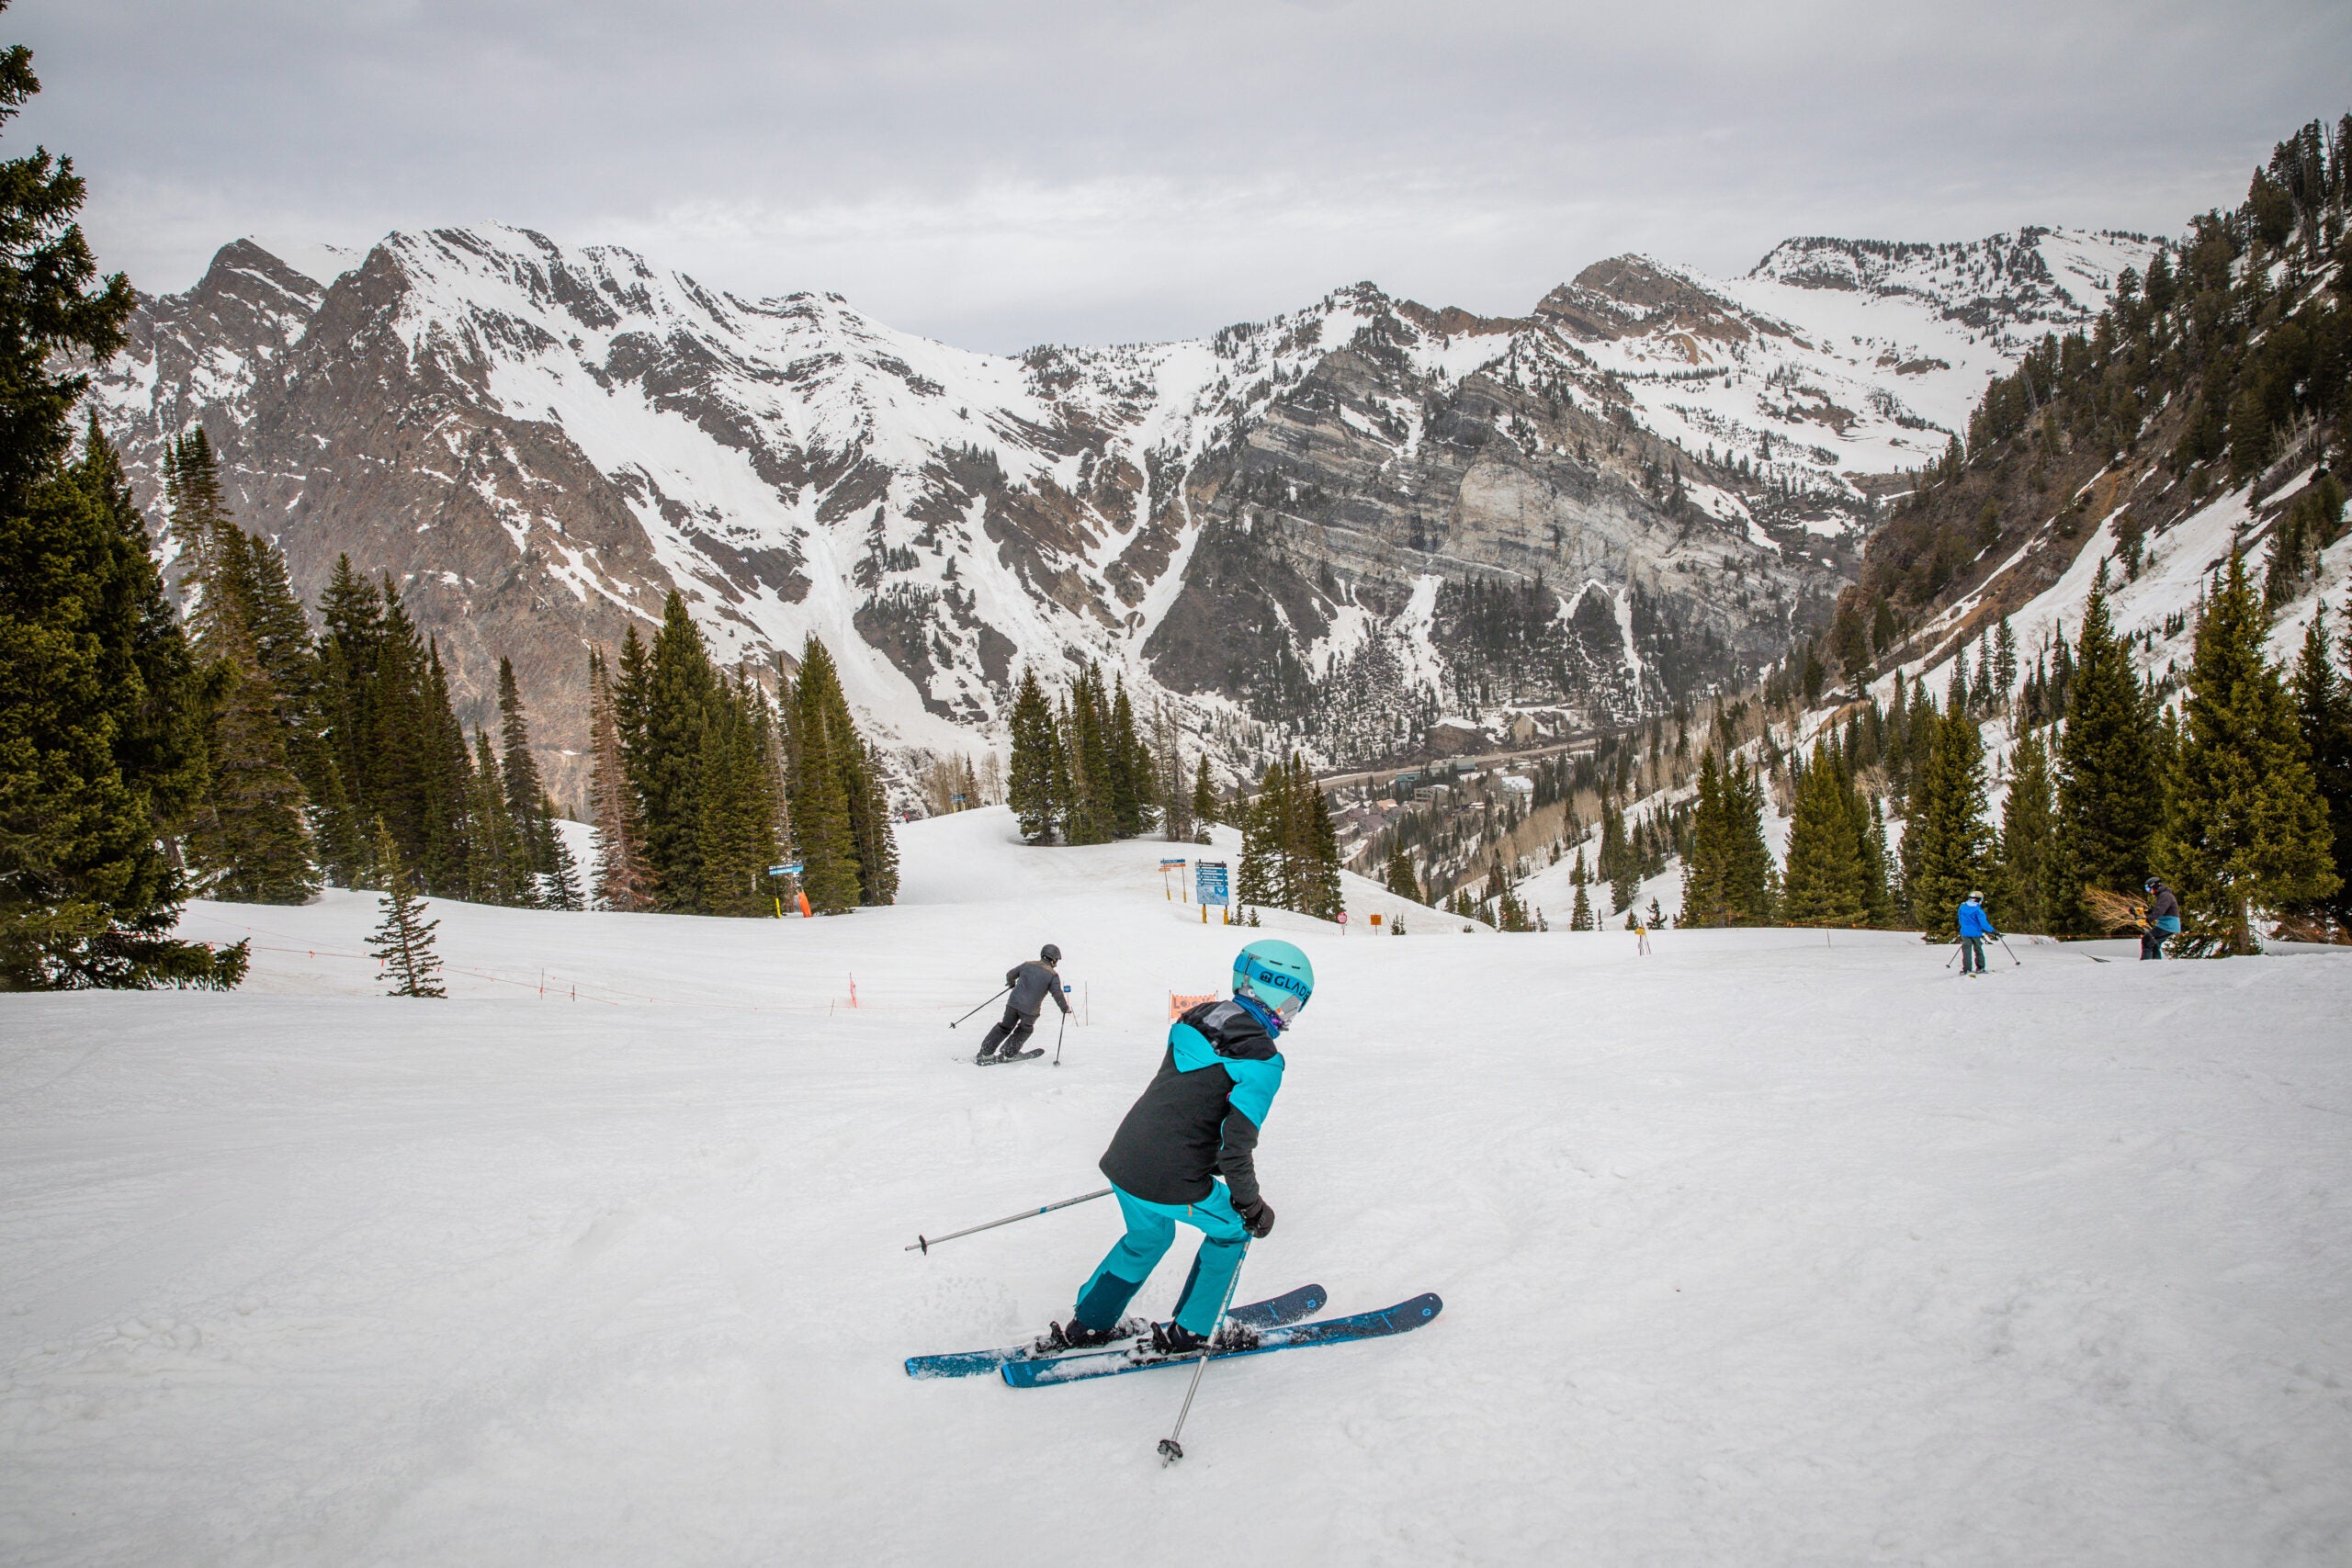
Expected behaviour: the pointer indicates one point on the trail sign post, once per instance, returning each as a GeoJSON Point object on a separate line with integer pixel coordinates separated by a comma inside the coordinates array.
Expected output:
{"type": "Point", "coordinates": [1209, 887]}
{"type": "Point", "coordinates": [1165, 867]}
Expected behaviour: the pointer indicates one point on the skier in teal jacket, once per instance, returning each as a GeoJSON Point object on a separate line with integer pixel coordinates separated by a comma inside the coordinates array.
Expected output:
{"type": "Point", "coordinates": [1197, 1121]}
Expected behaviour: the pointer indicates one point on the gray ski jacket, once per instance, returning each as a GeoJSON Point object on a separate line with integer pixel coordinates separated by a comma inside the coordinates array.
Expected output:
{"type": "Point", "coordinates": [1031, 982]}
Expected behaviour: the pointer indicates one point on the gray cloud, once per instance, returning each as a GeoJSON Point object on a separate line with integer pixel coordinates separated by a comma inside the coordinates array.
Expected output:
{"type": "Point", "coordinates": [1000, 175]}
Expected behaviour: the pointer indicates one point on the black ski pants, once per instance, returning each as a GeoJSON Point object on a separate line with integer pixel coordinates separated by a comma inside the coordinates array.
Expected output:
{"type": "Point", "coordinates": [1010, 1032]}
{"type": "Point", "coordinates": [1971, 955]}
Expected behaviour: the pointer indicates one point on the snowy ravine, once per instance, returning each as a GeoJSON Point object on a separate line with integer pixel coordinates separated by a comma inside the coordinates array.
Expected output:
{"type": "Point", "coordinates": [1771, 1247]}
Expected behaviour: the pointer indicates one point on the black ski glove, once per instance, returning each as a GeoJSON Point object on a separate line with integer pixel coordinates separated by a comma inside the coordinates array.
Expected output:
{"type": "Point", "coordinates": [1257, 1217]}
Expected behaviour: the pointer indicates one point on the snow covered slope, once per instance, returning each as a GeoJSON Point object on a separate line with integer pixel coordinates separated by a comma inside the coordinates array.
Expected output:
{"type": "Point", "coordinates": [1753, 1251]}
{"type": "Point", "coordinates": [539, 442]}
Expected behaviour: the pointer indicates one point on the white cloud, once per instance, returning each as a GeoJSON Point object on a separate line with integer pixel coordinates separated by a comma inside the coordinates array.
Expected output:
{"type": "Point", "coordinates": [1002, 174]}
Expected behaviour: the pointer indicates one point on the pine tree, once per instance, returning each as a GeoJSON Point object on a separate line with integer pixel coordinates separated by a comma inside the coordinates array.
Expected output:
{"type": "Point", "coordinates": [2245, 826]}
{"type": "Point", "coordinates": [1128, 765]}
{"type": "Point", "coordinates": [349, 654]}
{"type": "Point", "coordinates": [562, 874]}
{"type": "Point", "coordinates": [2031, 873]}
{"type": "Point", "coordinates": [446, 773]}
{"type": "Point", "coordinates": [255, 594]}
{"type": "Point", "coordinates": [1029, 787]}
{"type": "Point", "coordinates": [498, 864]}
{"type": "Point", "coordinates": [1947, 845]}
{"type": "Point", "coordinates": [1398, 875]}
{"type": "Point", "coordinates": [680, 689]}
{"type": "Point", "coordinates": [630, 683]}
{"type": "Point", "coordinates": [1511, 915]}
{"type": "Point", "coordinates": [1319, 885]}
{"type": "Point", "coordinates": [101, 749]}
{"type": "Point", "coordinates": [1707, 898]}
{"type": "Point", "coordinates": [249, 839]}
{"type": "Point", "coordinates": [1729, 880]}
{"type": "Point", "coordinates": [878, 840]}
{"type": "Point", "coordinates": [1087, 819]}
{"type": "Point", "coordinates": [1580, 919]}
{"type": "Point", "coordinates": [2110, 795]}
{"type": "Point", "coordinates": [401, 750]}
{"type": "Point", "coordinates": [826, 836]}
{"type": "Point", "coordinates": [738, 811]}
{"type": "Point", "coordinates": [1827, 884]}
{"type": "Point", "coordinates": [1870, 834]}
{"type": "Point", "coordinates": [873, 840]}
{"type": "Point", "coordinates": [1262, 819]}
{"type": "Point", "coordinates": [527, 799]}
{"type": "Point", "coordinates": [623, 880]}
{"type": "Point", "coordinates": [201, 526]}
{"type": "Point", "coordinates": [2323, 714]}
{"type": "Point", "coordinates": [402, 942]}
{"type": "Point", "coordinates": [1205, 806]}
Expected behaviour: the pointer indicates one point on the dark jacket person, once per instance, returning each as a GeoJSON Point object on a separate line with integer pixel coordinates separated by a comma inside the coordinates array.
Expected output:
{"type": "Point", "coordinates": [1030, 983]}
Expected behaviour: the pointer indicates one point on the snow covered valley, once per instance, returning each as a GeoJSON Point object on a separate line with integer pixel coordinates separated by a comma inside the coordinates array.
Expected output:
{"type": "Point", "coordinates": [1770, 1247]}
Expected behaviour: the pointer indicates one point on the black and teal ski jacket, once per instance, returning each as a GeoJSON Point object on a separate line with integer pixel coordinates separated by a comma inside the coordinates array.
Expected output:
{"type": "Point", "coordinates": [1199, 1118]}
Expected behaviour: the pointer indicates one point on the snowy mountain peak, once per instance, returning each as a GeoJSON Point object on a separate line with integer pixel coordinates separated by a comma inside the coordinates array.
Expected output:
{"type": "Point", "coordinates": [1275, 528]}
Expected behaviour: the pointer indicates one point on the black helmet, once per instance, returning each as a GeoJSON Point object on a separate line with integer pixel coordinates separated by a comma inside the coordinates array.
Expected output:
{"type": "Point", "coordinates": [1050, 953]}
{"type": "Point", "coordinates": [2149, 885]}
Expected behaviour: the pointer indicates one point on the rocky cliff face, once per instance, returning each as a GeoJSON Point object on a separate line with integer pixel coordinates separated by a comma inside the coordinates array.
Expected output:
{"type": "Point", "coordinates": [1336, 528]}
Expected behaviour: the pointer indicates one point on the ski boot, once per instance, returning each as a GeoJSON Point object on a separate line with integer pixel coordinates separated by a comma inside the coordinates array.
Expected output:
{"type": "Point", "coordinates": [1175, 1340]}
{"type": "Point", "coordinates": [1060, 1338]}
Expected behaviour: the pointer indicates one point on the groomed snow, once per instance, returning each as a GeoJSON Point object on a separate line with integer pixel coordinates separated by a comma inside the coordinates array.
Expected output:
{"type": "Point", "coordinates": [1760, 1250]}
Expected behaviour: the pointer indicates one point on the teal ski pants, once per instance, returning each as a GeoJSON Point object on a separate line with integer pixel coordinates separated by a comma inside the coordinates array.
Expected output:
{"type": "Point", "coordinates": [1151, 1228]}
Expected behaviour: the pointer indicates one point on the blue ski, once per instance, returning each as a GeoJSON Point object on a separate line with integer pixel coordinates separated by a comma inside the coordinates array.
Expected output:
{"type": "Point", "coordinates": [1404, 1316]}
{"type": "Point", "coordinates": [1291, 1307]}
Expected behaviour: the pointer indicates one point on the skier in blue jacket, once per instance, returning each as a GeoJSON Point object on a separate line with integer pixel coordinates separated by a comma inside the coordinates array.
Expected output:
{"type": "Point", "coordinates": [1196, 1121]}
{"type": "Point", "coordinates": [1975, 926]}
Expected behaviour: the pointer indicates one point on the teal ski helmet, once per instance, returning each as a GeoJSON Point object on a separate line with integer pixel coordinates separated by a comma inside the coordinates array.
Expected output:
{"type": "Point", "coordinates": [1275, 975]}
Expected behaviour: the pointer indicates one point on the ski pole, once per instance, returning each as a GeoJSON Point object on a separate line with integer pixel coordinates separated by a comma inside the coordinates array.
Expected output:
{"type": "Point", "coordinates": [1060, 1029]}
{"type": "Point", "coordinates": [1955, 953]}
{"type": "Point", "coordinates": [982, 1005]}
{"type": "Point", "coordinates": [1170, 1450]}
{"type": "Point", "coordinates": [922, 1244]}
{"type": "Point", "coordinates": [2012, 953]}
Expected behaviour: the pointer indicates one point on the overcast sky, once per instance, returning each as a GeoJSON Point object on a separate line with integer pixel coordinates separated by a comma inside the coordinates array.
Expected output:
{"type": "Point", "coordinates": [998, 174]}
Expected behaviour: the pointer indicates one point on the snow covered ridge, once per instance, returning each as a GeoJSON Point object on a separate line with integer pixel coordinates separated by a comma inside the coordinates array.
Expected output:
{"type": "Point", "coordinates": [1832, 358]}
{"type": "Point", "coordinates": [539, 442]}
{"type": "Point", "coordinates": [2049, 275]}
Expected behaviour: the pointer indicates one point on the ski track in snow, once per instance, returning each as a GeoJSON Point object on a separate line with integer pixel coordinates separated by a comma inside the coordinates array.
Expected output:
{"type": "Point", "coordinates": [1760, 1250]}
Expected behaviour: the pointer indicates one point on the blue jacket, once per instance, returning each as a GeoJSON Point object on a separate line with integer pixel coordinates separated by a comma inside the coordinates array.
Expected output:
{"type": "Point", "coordinates": [1973, 921]}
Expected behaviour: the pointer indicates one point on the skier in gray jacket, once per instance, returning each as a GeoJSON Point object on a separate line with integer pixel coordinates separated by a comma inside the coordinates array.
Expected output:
{"type": "Point", "coordinates": [1030, 983]}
